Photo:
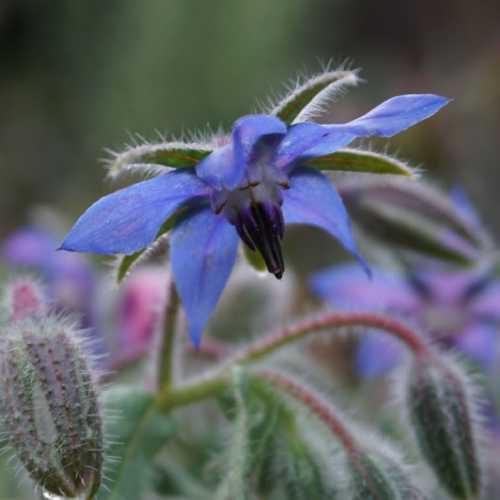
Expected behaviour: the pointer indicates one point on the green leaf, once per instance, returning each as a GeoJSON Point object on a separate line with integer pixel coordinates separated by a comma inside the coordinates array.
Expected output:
{"type": "Point", "coordinates": [167, 154]}
{"type": "Point", "coordinates": [128, 261]}
{"type": "Point", "coordinates": [354, 160]}
{"type": "Point", "coordinates": [137, 433]}
{"type": "Point", "coordinates": [308, 99]}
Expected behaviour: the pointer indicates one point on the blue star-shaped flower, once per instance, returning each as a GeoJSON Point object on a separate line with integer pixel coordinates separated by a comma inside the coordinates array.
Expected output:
{"type": "Point", "coordinates": [248, 188]}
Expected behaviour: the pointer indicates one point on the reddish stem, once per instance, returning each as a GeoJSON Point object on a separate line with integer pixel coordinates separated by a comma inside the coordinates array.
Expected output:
{"type": "Point", "coordinates": [314, 403]}
{"type": "Point", "coordinates": [336, 320]}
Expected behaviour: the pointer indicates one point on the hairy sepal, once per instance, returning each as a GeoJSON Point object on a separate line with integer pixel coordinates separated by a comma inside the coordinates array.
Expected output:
{"type": "Point", "coordinates": [308, 100]}
{"type": "Point", "coordinates": [442, 410]}
{"type": "Point", "coordinates": [358, 160]}
{"type": "Point", "coordinates": [168, 155]}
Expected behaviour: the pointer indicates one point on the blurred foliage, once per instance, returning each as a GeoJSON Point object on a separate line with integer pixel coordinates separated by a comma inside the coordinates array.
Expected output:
{"type": "Point", "coordinates": [79, 77]}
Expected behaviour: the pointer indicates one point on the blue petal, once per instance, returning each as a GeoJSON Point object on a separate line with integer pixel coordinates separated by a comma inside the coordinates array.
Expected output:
{"type": "Point", "coordinates": [396, 114]}
{"type": "Point", "coordinates": [219, 168]}
{"type": "Point", "coordinates": [309, 140]}
{"type": "Point", "coordinates": [204, 249]}
{"type": "Point", "coordinates": [129, 219]}
{"type": "Point", "coordinates": [346, 285]}
{"type": "Point", "coordinates": [313, 200]}
{"type": "Point", "coordinates": [226, 167]}
{"type": "Point", "coordinates": [479, 341]}
{"type": "Point", "coordinates": [377, 354]}
{"type": "Point", "coordinates": [463, 203]}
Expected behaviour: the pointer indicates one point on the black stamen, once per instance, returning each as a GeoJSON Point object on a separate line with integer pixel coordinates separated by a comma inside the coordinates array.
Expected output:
{"type": "Point", "coordinates": [261, 228]}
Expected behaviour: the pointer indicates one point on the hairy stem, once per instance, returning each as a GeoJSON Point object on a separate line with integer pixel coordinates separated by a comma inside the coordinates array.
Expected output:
{"type": "Point", "coordinates": [300, 330]}
{"type": "Point", "coordinates": [319, 408]}
{"type": "Point", "coordinates": [215, 384]}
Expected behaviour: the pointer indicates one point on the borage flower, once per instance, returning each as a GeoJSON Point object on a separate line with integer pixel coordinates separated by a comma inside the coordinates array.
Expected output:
{"type": "Point", "coordinates": [458, 309]}
{"type": "Point", "coordinates": [264, 176]}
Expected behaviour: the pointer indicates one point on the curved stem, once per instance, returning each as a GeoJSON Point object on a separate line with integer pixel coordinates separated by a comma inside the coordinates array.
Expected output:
{"type": "Point", "coordinates": [300, 330]}
{"type": "Point", "coordinates": [321, 409]}
{"type": "Point", "coordinates": [210, 386]}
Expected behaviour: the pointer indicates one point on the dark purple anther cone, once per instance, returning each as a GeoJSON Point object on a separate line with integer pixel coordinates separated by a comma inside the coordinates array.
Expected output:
{"type": "Point", "coordinates": [261, 228]}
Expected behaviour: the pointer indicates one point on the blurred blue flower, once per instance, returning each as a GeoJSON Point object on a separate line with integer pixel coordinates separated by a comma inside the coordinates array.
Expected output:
{"type": "Point", "coordinates": [458, 309]}
{"type": "Point", "coordinates": [249, 187]}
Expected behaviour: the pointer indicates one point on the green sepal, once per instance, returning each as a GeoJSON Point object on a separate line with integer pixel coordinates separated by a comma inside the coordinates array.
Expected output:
{"type": "Point", "coordinates": [127, 261]}
{"type": "Point", "coordinates": [356, 160]}
{"type": "Point", "coordinates": [312, 94]}
{"type": "Point", "coordinates": [138, 433]}
{"type": "Point", "coordinates": [167, 154]}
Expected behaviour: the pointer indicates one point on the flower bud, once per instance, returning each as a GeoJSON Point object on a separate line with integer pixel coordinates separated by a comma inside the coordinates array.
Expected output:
{"type": "Point", "coordinates": [49, 406]}
{"type": "Point", "coordinates": [375, 475]}
{"type": "Point", "coordinates": [442, 415]}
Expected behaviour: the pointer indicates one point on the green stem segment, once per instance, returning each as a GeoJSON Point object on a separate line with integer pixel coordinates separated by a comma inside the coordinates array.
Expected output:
{"type": "Point", "coordinates": [167, 342]}
{"type": "Point", "coordinates": [214, 385]}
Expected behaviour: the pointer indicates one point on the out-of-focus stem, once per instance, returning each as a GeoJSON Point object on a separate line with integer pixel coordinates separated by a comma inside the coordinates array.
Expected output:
{"type": "Point", "coordinates": [215, 384]}
{"type": "Point", "coordinates": [319, 408]}
{"type": "Point", "coordinates": [165, 368]}
{"type": "Point", "coordinates": [300, 330]}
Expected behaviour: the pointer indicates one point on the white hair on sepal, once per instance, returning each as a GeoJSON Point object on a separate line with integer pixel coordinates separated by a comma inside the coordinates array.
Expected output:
{"type": "Point", "coordinates": [133, 158]}
{"type": "Point", "coordinates": [332, 83]}
{"type": "Point", "coordinates": [329, 95]}
{"type": "Point", "coordinates": [155, 249]}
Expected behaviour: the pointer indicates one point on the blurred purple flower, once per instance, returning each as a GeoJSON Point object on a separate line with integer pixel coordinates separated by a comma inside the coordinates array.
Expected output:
{"type": "Point", "coordinates": [139, 311]}
{"type": "Point", "coordinates": [459, 309]}
{"type": "Point", "coordinates": [69, 279]}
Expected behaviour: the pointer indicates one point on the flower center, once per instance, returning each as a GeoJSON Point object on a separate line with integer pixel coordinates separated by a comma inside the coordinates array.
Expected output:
{"type": "Point", "coordinates": [255, 211]}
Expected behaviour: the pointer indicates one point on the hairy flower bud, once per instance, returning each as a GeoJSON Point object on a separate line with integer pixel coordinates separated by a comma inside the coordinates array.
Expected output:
{"type": "Point", "coordinates": [49, 407]}
{"type": "Point", "coordinates": [375, 475]}
{"type": "Point", "coordinates": [442, 415]}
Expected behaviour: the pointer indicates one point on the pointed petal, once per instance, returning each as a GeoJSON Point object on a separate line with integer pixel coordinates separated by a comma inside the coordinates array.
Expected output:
{"type": "Point", "coordinates": [204, 247]}
{"type": "Point", "coordinates": [129, 219]}
{"type": "Point", "coordinates": [347, 285]}
{"type": "Point", "coordinates": [310, 140]}
{"type": "Point", "coordinates": [220, 168]}
{"type": "Point", "coordinates": [377, 355]}
{"type": "Point", "coordinates": [313, 200]}
{"type": "Point", "coordinates": [225, 168]}
{"type": "Point", "coordinates": [397, 114]}
{"type": "Point", "coordinates": [479, 341]}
